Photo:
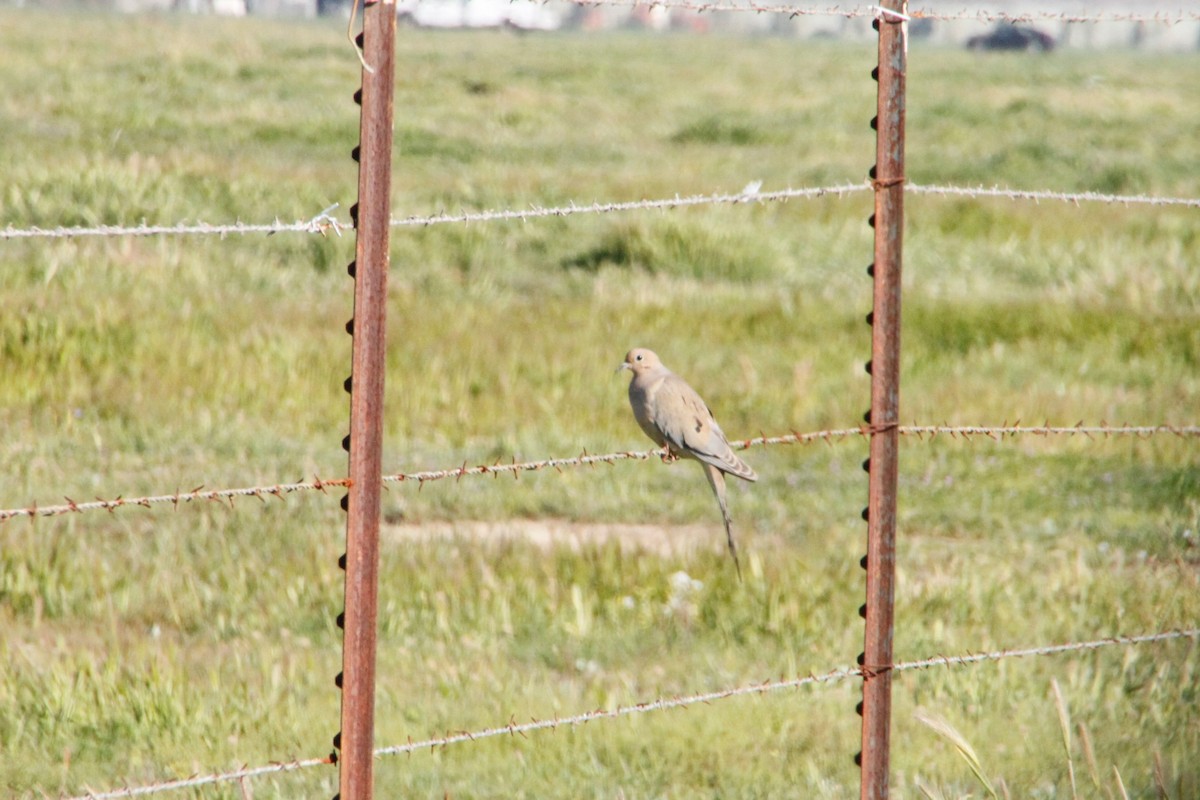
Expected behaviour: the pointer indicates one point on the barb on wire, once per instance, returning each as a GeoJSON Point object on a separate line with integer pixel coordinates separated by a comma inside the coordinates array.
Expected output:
{"type": "Point", "coordinates": [870, 11]}
{"type": "Point", "coordinates": [323, 221]}
{"type": "Point", "coordinates": [1066, 197]}
{"type": "Point", "coordinates": [515, 467]}
{"type": "Point", "coordinates": [513, 728]}
{"type": "Point", "coordinates": [881, 12]}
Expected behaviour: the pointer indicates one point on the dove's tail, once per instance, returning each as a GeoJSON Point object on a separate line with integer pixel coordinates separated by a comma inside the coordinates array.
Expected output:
{"type": "Point", "coordinates": [716, 479]}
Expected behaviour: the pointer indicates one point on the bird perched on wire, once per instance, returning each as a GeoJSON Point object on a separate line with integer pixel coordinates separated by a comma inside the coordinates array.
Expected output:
{"type": "Point", "coordinates": [675, 417]}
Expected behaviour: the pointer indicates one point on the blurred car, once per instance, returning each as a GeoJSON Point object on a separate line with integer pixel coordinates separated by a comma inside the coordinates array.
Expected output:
{"type": "Point", "coordinates": [1007, 36]}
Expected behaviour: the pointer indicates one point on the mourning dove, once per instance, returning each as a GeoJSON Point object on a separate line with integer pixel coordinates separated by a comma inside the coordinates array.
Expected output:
{"type": "Point", "coordinates": [675, 417]}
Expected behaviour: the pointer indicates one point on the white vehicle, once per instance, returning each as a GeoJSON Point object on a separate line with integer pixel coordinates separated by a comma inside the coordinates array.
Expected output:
{"type": "Point", "coordinates": [525, 15]}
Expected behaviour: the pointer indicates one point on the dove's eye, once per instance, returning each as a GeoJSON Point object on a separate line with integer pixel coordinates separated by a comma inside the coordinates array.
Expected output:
{"type": "Point", "coordinates": [638, 357]}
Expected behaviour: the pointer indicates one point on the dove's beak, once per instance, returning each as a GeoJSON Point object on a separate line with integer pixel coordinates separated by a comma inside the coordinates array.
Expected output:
{"type": "Point", "coordinates": [623, 365]}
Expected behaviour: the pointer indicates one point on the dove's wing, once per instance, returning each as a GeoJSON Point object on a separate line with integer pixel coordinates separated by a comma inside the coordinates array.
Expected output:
{"type": "Point", "coordinates": [688, 427]}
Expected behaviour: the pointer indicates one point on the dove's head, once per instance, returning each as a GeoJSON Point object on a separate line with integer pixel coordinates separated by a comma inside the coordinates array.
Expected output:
{"type": "Point", "coordinates": [640, 361]}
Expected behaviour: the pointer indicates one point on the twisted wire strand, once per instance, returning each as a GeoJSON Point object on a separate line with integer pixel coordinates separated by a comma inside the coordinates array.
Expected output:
{"type": "Point", "coordinates": [537, 212]}
{"type": "Point", "coordinates": [514, 728]}
{"type": "Point", "coordinates": [983, 15]}
{"type": "Point", "coordinates": [195, 781]}
{"type": "Point", "coordinates": [175, 499]}
{"type": "Point", "coordinates": [180, 229]}
{"type": "Point", "coordinates": [278, 490]}
{"type": "Point", "coordinates": [323, 222]}
{"type": "Point", "coordinates": [1076, 198]}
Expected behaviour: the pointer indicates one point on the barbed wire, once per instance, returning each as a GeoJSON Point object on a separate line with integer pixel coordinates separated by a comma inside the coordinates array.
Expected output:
{"type": "Point", "coordinates": [747, 196]}
{"type": "Point", "coordinates": [872, 11]}
{"type": "Point", "coordinates": [1067, 197]}
{"type": "Point", "coordinates": [707, 7]}
{"type": "Point", "coordinates": [513, 728]}
{"type": "Point", "coordinates": [1159, 17]}
{"type": "Point", "coordinates": [515, 467]}
{"type": "Point", "coordinates": [175, 499]}
{"type": "Point", "coordinates": [194, 781]}
{"type": "Point", "coordinates": [323, 222]}
{"type": "Point", "coordinates": [999, 432]}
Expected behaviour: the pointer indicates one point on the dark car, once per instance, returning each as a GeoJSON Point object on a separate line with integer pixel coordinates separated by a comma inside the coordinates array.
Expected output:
{"type": "Point", "coordinates": [1007, 36]}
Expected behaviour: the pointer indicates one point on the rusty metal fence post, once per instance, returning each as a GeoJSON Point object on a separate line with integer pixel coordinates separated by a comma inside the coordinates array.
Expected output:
{"type": "Point", "coordinates": [884, 417]}
{"type": "Point", "coordinates": [372, 220]}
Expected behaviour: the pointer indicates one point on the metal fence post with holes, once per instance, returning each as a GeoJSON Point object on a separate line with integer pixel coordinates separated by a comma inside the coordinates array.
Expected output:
{"type": "Point", "coordinates": [372, 220]}
{"type": "Point", "coordinates": [887, 178]}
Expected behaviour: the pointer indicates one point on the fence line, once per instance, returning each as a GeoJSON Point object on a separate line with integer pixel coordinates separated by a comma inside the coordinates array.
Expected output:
{"type": "Point", "coordinates": [1075, 198]}
{"type": "Point", "coordinates": [1160, 17]}
{"type": "Point", "coordinates": [983, 15]}
{"type": "Point", "coordinates": [324, 222]}
{"type": "Point", "coordinates": [215, 495]}
{"type": "Point", "coordinates": [205, 780]}
{"type": "Point", "coordinates": [879, 666]}
{"type": "Point", "coordinates": [513, 728]}
{"type": "Point", "coordinates": [921, 432]}
{"type": "Point", "coordinates": [321, 223]}
{"type": "Point", "coordinates": [748, 195]}
{"type": "Point", "coordinates": [1079, 429]}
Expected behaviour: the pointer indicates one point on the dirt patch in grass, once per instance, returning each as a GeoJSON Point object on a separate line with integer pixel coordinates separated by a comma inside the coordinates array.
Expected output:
{"type": "Point", "coordinates": [554, 533]}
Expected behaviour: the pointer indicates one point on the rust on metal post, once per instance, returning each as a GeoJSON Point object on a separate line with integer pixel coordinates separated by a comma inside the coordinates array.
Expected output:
{"type": "Point", "coordinates": [888, 220]}
{"type": "Point", "coordinates": [372, 219]}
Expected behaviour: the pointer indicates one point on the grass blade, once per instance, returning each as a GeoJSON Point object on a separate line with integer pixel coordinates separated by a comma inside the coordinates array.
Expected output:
{"type": "Point", "coordinates": [1064, 719]}
{"type": "Point", "coordinates": [948, 732]}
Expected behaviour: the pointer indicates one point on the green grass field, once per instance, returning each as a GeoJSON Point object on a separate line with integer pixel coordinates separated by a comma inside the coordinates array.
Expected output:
{"type": "Point", "coordinates": [150, 644]}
